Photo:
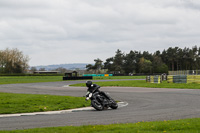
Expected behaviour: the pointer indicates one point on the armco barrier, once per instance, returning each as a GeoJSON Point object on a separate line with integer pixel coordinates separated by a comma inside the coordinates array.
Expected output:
{"type": "Point", "coordinates": [77, 78]}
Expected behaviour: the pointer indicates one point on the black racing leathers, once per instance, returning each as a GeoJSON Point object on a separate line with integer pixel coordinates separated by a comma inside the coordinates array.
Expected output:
{"type": "Point", "coordinates": [95, 87]}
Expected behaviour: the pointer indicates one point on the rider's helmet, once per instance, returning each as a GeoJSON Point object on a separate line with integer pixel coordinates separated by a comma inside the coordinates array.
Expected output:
{"type": "Point", "coordinates": [88, 83]}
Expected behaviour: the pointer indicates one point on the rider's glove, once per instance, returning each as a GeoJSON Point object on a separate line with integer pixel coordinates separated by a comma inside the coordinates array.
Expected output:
{"type": "Point", "coordinates": [87, 99]}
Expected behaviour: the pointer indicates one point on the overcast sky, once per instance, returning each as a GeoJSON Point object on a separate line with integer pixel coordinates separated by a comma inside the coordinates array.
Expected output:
{"type": "Point", "coordinates": [79, 31]}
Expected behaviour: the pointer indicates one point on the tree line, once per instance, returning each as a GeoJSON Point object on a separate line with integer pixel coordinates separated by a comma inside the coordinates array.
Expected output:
{"type": "Point", "coordinates": [171, 59]}
{"type": "Point", "coordinates": [13, 61]}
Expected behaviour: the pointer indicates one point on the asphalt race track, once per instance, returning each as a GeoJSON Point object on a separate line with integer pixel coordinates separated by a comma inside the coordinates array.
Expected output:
{"type": "Point", "coordinates": [144, 104]}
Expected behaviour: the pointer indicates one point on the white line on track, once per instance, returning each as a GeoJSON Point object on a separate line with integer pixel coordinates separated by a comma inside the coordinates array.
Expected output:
{"type": "Point", "coordinates": [120, 105]}
{"type": "Point", "coordinates": [66, 86]}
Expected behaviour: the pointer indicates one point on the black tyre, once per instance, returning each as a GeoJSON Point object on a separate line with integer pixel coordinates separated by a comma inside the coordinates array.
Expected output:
{"type": "Point", "coordinates": [113, 105]}
{"type": "Point", "coordinates": [96, 105]}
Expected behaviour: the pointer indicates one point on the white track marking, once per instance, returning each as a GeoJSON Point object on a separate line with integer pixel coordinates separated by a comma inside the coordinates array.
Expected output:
{"type": "Point", "coordinates": [120, 104]}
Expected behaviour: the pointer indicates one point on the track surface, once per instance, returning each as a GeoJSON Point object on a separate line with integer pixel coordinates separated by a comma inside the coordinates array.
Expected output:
{"type": "Point", "coordinates": [144, 104]}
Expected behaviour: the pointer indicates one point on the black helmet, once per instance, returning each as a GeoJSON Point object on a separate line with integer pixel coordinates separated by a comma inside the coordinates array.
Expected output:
{"type": "Point", "coordinates": [88, 83]}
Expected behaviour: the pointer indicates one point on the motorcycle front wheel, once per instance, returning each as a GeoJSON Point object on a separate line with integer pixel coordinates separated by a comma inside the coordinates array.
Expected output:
{"type": "Point", "coordinates": [96, 105]}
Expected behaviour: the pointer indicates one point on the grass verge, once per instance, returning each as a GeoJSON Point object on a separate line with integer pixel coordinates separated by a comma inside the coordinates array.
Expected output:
{"type": "Point", "coordinates": [142, 83]}
{"type": "Point", "coordinates": [28, 79]}
{"type": "Point", "coordinates": [176, 126]}
{"type": "Point", "coordinates": [120, 77]}
{"type": "Point", "coordinates": [26, 103]}
{"type": "Point", "coordinates": [36, 79]}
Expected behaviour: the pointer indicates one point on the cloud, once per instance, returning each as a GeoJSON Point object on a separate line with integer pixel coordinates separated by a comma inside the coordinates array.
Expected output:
{"type": "Point", "coordinates": [65, 31]}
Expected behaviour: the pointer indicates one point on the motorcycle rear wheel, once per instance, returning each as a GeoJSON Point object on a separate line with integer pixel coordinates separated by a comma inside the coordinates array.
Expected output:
{"type": "Point", "coordinates": [96, 105]}
{"type": "Point", "coordinates": [113, 105]}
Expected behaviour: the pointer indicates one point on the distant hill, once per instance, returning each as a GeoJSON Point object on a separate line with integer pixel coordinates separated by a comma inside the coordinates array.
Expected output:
{"type": "Point", "coordinates": [81, 66]}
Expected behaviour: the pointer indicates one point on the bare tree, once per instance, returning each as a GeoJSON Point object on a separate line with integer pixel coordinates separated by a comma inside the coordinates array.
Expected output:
{"type": "Point", "coordinates": [13, 61]}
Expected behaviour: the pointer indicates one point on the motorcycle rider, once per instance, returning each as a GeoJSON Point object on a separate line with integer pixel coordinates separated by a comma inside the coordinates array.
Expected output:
{"type": "Point", "coordinates": [94, 87]}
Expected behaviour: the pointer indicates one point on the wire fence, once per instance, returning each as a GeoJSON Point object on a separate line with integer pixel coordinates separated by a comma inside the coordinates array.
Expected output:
{"type": "Point", "coordinates": [185, 72]}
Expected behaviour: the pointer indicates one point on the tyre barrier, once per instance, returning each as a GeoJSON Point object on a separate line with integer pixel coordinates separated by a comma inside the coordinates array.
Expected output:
{"type": "Point", "coordinates": [154, 79]}
{"type": "Point", "coordinates": [77, 78]}
{"type": "Point", "coordinates": [180, 79]}
{"type": "Point", "coordinates": [98, 75]}
{"type": "Point", "coordinates": [183, 79]}
{"type": "Point", "coordinates": [193, 79]}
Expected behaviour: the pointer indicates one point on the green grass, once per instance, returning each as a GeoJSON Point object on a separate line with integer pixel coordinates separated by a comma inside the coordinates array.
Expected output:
{"type": "Point", "coordinates": [119, 77]}
{"type": "Point", "coordinates": [142, 83]}
{"type": "Point", "coordinates": [28, 79]}
{"type": "Point", "coordinates": [23, 103]}
{"type": "Point", "coordinates": [177, 126]}
{"type": "Point", "coordinates": [36, 79]}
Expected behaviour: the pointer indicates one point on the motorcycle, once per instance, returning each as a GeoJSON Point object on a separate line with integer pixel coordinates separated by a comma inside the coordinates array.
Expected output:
{"type": "Point", "coordinates": [99, 100]}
